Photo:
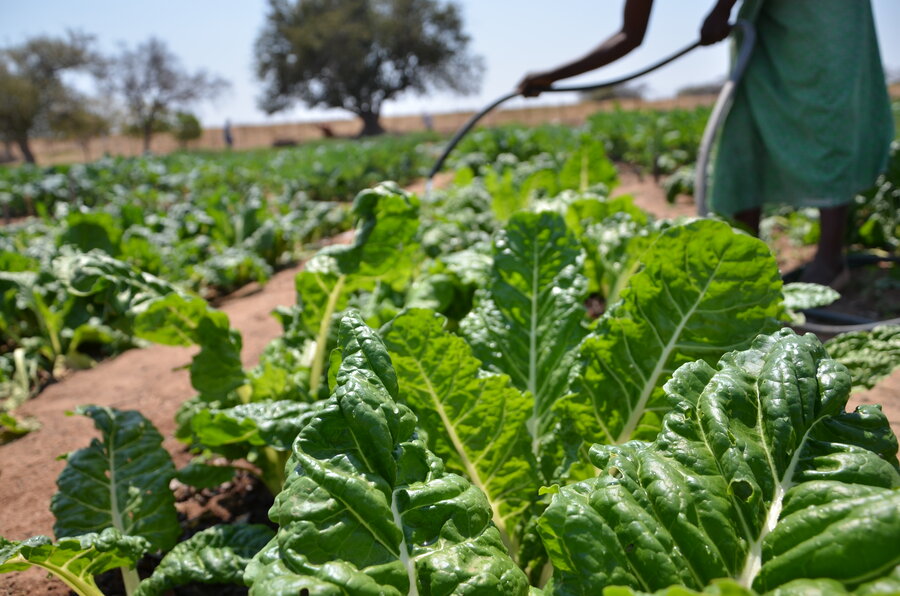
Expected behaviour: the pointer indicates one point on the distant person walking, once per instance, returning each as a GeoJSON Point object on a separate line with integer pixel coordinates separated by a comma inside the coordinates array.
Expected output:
{"type": "Point", "coordinates": [229, 140]}
{"type": "Point", "coordinates": [811, 123]}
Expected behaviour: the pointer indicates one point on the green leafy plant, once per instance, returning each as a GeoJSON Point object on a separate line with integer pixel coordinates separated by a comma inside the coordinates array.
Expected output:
{"type": "Point", "coordinates": [757, 474]}
{"type": "Point", "coordinates": [367, 508]}
{"type": "Point", "coordinates": [869, 355]}
{"type": "Point", "coordinates": [120, 481]}
{"type": "Point", "coordinates": [74, 560]}
{"type": "Point", "coordinates": [217, 555]}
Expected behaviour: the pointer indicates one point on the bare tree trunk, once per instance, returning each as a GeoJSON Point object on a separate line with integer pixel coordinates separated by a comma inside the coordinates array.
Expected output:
{"type": "Point", "coordinates": [25, 148]}
{"type": "Point", "coordinates": [371, 125]}
{"type": "Point", "coordinates": [148, 136]}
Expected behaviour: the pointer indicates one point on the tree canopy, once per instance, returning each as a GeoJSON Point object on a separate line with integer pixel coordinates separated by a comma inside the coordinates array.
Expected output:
{"type": "Point", "coordinates": [151, 82]}
{"type": "Point", "coordinates": [32, 91]}
{"type": "Point", "coordinates": [358, 54]}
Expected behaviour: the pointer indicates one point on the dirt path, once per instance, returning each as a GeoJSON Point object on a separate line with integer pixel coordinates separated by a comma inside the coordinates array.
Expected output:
{"type": "Point", "coordinates": [153, 380]}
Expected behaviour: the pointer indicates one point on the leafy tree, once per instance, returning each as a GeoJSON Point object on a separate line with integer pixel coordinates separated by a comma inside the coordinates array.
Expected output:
{"type": "Point", "coordinates": [31, 87]}
{"type": "Point", "coordinates": [152, 82]}
{"type": "Point", "coordinates": [358, 54]}
{"type": "Point", "coordinates": [186, 127]}
{"type": "Point", "coordinates": [81, 120]}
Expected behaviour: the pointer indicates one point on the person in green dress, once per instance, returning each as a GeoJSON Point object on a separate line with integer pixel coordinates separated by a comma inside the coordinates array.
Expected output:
{"type": "Point", "coordinates": [811, 123]}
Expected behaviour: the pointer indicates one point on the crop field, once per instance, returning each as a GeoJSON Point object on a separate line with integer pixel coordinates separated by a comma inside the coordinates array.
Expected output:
{"type": "Point", "coordinates": [518, 382]}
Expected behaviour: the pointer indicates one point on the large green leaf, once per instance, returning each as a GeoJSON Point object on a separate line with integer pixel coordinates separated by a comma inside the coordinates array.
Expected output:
{"type": "Point", "coordinates": [216, 369]}
{"type": "Point", "coordinates": [383, 251]}
{"type": "Point", "coordinates": [704, 290]}
{"type": "Point", "coordinates": [91, 231]}
{"type": "Point", "coordinates": [120, 481]}
{"type": "Point", "coordinates": [271, 423]}
{"type": "Point", "coordinates": [217, 555]}
{"type": "Point", "coordinates": [125, 288]}
{"type": "Point", "coordinates": [171, 320]}
{"type": "Point", "coordinates": [474, 422]}
{"type": "Point", "coordinates": [367, 509]}
{"type": "Point", "coordinates": [529, 319]}
{"type": "Point", "coordinates": [384, 245]}
{"type": "Point", "coordinates": [870, 355]}
{"type": "Point", "coordinates": [758, 474]}
{"type": "Point", "coordinates": [74, 560]}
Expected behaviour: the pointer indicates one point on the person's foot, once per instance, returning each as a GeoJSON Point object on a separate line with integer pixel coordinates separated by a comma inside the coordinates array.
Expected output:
{"type": "Point", "coordinates": [833, 274]}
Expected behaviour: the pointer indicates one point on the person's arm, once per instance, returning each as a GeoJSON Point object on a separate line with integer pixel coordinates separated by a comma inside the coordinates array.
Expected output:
{"type": "Point", "coordinates": [634, 26]}
{"type": "Point", "coordinates": [716, 27]}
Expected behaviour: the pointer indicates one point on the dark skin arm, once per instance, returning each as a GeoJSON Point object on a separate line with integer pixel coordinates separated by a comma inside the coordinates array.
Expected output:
{"type": "Point", "coordinates": [636, 16]}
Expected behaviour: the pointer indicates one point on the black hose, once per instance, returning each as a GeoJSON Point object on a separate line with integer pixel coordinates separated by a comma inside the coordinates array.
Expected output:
{"type": "Point", "coordinates": [590, 87]}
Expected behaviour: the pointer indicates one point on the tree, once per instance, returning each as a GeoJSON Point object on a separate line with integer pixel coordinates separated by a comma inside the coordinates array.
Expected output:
{"type": "Point", "coordinates": [152, 82]}
{"type": "Point", "coordinates": [31, 85]}
{"type": "Point", "coordinates": [81, 120]}
{"type": "Point", "coordinates": [186, 127]}
{"type": "Point", "coordinates": [358, 54]}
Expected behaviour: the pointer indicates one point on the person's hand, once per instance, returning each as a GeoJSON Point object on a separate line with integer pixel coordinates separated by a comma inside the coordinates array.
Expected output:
{"type": "Point", "coordinates": [534, 83]}
{"type": "Point", "coordinates": [716, 26]}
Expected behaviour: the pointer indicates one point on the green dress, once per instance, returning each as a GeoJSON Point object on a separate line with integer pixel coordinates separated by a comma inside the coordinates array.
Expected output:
{"type": "Point", "coordinates": [811, 123]}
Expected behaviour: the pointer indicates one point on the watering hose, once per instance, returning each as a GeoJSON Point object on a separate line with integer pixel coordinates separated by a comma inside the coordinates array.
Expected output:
{"type": "Point", "coordinates": [720, 110]}
{"type": "Point", "coordinates": [590, 87]}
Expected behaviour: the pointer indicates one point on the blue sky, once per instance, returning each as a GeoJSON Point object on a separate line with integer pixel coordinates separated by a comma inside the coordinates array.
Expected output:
{"type": "Point", "coordinates": [513, 36]}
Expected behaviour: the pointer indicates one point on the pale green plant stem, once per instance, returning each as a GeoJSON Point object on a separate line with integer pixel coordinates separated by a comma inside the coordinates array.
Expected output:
{"type": "Point", "coordinates": [79, 585]}
{"type": "Point", "coordinates": [318, 364]}
{"type": "Point", "coordinates": [271, 463]}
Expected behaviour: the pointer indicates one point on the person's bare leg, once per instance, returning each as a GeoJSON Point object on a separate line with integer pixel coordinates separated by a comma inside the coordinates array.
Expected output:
{"type": "Point", "coordinates": [750, 219]}
{"type": "Point", "coordinates": [829, 260]}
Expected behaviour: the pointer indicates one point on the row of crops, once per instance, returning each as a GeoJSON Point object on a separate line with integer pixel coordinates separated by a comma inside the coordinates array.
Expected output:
{"type": "Point", "coordinates": [515, 385]}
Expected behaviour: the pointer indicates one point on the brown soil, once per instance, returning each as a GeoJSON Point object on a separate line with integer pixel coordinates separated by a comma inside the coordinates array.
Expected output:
{"type": "Point", "coordinates": [154, 381]}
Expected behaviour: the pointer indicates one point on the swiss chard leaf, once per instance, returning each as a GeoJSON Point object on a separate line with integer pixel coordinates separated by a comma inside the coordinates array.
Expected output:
{"type": "Point", "coordinates": [474, 422]}
{"type": "Point", "coordinates": [274, 424]}
{"type": "Point", "coordinates": [217, 555]}
{"type": "Point", "coordinates": [704, 290]}
{"type": "Point", "coordinates": [202, 475]}
{"type": "Point", "coordinates": [530, 318]}
{"type": "Point", "coordinates": [120, 481]}
{"type": "Point", "coordinates": [758, 474]}
{"type": "Point", "coordinates": [801, 295]}
{"type": "Point", "coordinates": [367, 509]}
{"type": "Point", "coordinates": [870, 355]}
{"type": "Point", "coordinates": [74, 560]}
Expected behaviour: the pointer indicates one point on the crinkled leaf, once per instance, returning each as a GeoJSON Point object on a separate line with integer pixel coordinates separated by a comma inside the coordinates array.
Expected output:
{"type": "Point", "coordinates": [870, 355]}
{"type": "Point", "coordinates": [704, 290]}
{"type": "Point", "coordinates": [475, 423]}
{"type": "Point", "coordinates": [216, 370]}
{"type": "Point", "coordinates": [171, 320]}
{"type": "Point", "coordinates": [385, 241]}
{"type": "Point", "coordinates": [201, 475]}
{"type": "Point", "coordinates": [217, 555]}
{"type": "Point", "coordinates": [120, 481]}
{"type": "Point", "coordinates": [126, 288]}
{"type": "Point", "coordinates": [801, 295]}
{"type": "Point", "coordinates": [367, 509]}
{"type": "Point", "coordinates": [74, 560]}
{"type": "Point", "coordinates": [529, 319]}
{"type": "Point", "coordinates": [273, 424]}
{"type": "Point", "coordinates": [758, 474]}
